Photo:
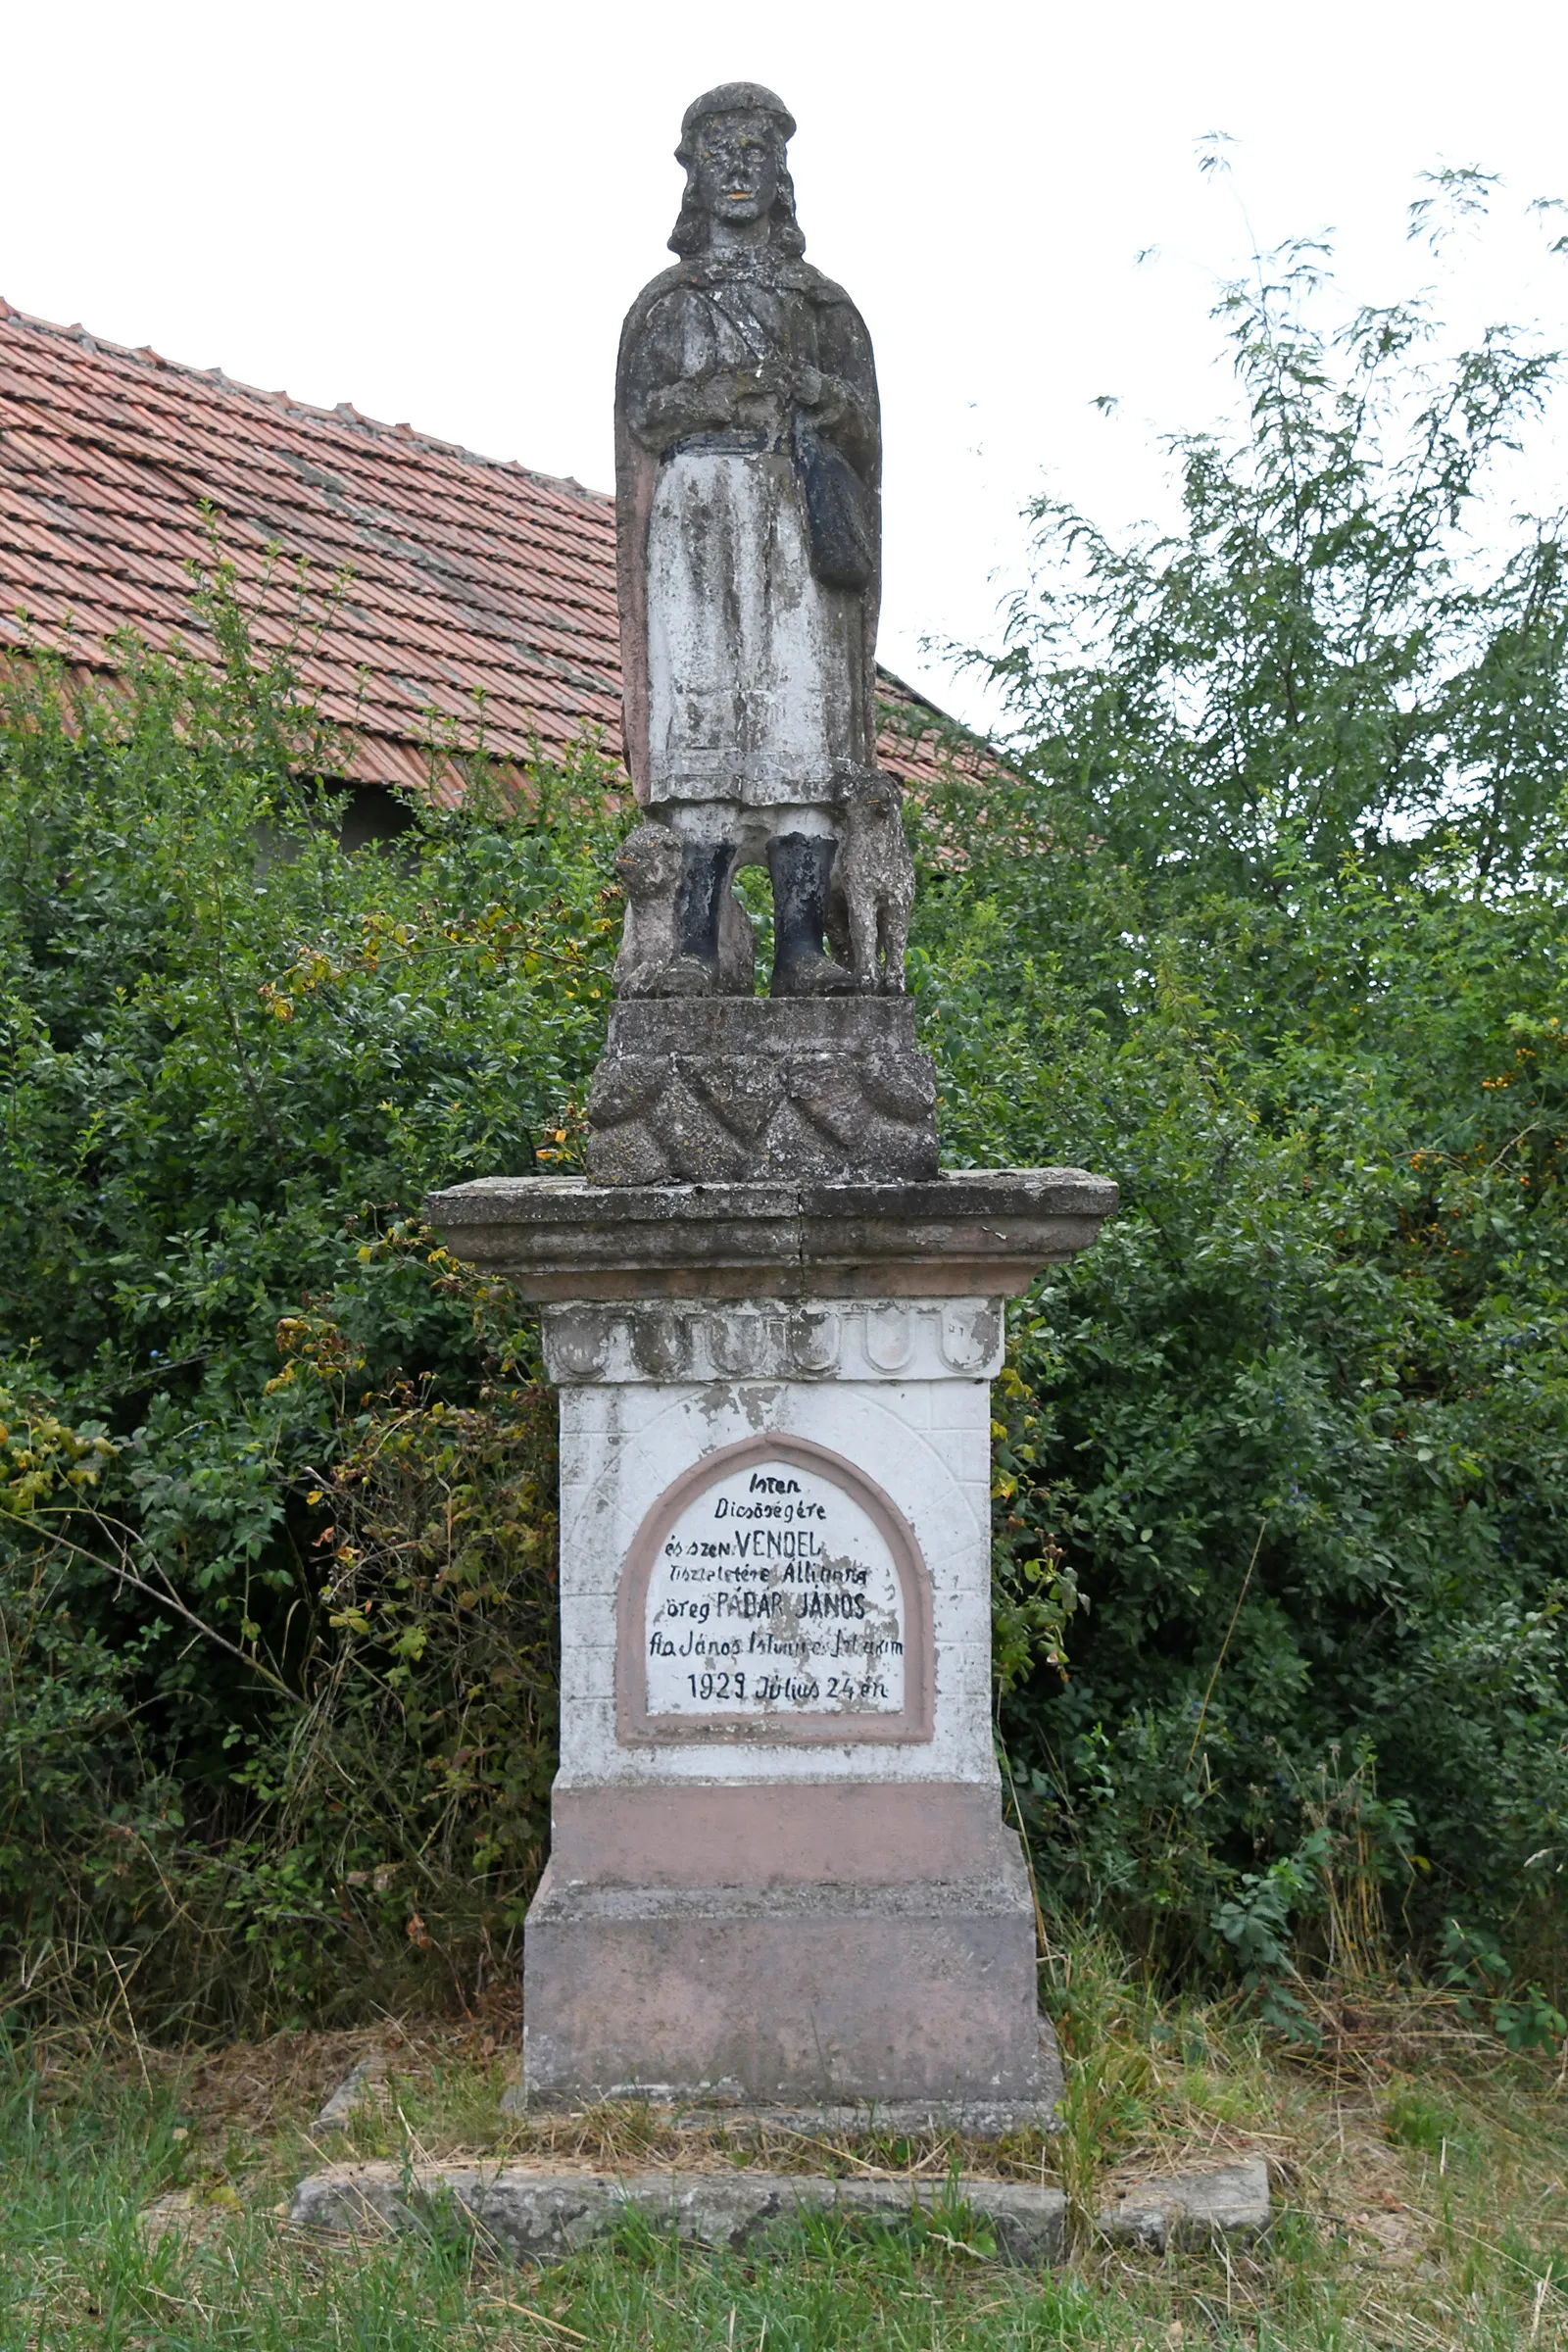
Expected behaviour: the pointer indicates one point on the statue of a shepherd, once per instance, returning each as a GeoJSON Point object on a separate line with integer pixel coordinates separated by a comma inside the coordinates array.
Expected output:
{"type": "Point", "coordinates": [748, 456]}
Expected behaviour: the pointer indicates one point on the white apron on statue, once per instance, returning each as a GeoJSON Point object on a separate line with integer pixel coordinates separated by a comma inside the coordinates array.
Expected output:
{"type": "Point", "coordinates": [754, 683]}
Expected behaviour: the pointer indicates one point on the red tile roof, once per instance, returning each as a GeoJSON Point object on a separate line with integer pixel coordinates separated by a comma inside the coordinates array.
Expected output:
{"type": "Point", "coordinates": [433, 577]}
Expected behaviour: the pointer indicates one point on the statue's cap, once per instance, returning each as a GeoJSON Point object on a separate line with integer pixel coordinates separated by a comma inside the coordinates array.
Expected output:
{"type": "Point", "coordinates": [733, 98]}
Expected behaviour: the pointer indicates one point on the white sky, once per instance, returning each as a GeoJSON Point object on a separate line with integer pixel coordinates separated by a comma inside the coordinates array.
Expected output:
{"type": "Point", "coordinates": [442, 214]}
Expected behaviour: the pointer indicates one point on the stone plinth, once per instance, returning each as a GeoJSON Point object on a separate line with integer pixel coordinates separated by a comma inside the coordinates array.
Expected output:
{"type": "Point", "coordinates": [984, 1231]}
{"type": "Point", "coordinates": [779, 1871]}
{"type": "Point", "coordinates": [716, 1090]}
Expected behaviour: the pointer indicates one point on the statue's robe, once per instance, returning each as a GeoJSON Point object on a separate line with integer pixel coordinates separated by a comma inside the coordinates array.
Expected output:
{"type": "Point", "coordinates": [748, 678]}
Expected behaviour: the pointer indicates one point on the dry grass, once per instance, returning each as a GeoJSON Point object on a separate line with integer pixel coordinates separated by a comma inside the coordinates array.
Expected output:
{"type": "Point", "coordinates": [1419, 2175]}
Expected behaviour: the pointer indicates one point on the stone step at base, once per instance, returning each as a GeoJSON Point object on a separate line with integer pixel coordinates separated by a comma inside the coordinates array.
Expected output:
{"type": "Point", "coordinates": [537, 2214]}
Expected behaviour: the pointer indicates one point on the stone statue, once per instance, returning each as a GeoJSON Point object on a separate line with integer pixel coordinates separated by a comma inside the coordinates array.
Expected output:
{"type": "Point", "coordinates": [749, 537]}
{"type": "Point", "coordinates": [748, 462]}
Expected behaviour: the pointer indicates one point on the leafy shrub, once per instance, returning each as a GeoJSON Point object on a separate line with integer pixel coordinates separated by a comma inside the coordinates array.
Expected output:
{"type": "Point", "coordinates": [1266, 921]}
{"type": "Point", "coordinates": [272, 1746]}
{"type": "Point", "coordinates": [1269, 926]}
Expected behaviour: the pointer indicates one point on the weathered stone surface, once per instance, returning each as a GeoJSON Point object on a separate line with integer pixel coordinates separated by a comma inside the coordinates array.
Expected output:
{"type": "Point", "coordinates": [543, 2216]}
{"type": "Point", "coordinates": [774, 1595]}
{"type": "Point", "coordinates": [737, 1089]}
{"type": "Point", "coordinates": [765, 1834]}
{"type": "Point", "coordinates": [651, 868]}
{"type": "Point", "coordinates": [770, 1890]}
{"type": "Point", "coordinates": [827, 1994]}
{"type": "Point", "coordinates": [634, 1454]}
{"type": "Point", "coordinates": [807, 1339]}
{"type": "Point", "coordinates": [540, 2214]}
{"type": "Point", "coordinates": [875, 2118]}
{"type": "Point", "coordinates": [748, 454]}
{"type": "Point", "coordinates": [873, 888]}
{"type": "Point", "coordinates": [985, 1232]}
{"type": "Point", "coordinates": [1232, 2203]}
{"type": "Point", "coordinates": [745, 400]}
{"type": "Point", "coordinates": [775, 1559]}
{"type": "Point", "coordinates": [670, 1951]}
{"type": "Point", "coordinates": [360, 2087]}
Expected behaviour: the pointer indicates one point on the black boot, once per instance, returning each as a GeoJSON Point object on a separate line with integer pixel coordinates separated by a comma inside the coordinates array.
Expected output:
{"type": "Point", "coordinates": [699, 896]}
{"type": "Point", "coordinates": [800, 865]}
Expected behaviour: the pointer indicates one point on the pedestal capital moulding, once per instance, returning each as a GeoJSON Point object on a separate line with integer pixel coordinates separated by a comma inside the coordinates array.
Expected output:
{"type": "Point", "coordinates": [708, 1340]}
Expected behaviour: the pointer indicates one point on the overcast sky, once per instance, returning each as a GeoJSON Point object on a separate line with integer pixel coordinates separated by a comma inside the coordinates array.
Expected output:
{"type": "Point", "coordinates": [441, 214]}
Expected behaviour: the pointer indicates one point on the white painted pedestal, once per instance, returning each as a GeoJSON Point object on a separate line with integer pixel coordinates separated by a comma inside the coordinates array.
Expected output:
{"type": "Point", "coordinates": [779, 1875]}
{"type": "Point", "coordinates": [779, 1872]}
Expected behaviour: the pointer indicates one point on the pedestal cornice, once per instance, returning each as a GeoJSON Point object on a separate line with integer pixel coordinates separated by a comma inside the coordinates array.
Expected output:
{"type": "Point", "coordinates": [975, 1233]}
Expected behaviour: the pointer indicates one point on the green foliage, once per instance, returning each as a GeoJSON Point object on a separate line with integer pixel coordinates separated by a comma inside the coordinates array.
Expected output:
{"type": "Point", "coordinates": [1424, 2211]}
{"type": "Point", "coordinates": [1322, 654]}
{"type": "Point", "coordinates": [1413, 2119]}
{"type": "Point", "coordinates": [1266, 922]}
{"type": "Point", "coordinates": [1268, 926]}
{"type": "Point", "coordinates": [250, 1759]}
{"type": "Point", "coordinates": [1297, 1471]}
{"type": "Point", "coordinates": [1475, 1966]}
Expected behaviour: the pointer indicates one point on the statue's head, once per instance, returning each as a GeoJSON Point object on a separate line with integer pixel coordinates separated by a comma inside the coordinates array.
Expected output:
{"type": "Point", "coordinates": [647, 864]}
{"type": "Point", "coordinates": [732, 142]}
{"type": "Point", "coordinates": [876, 801]}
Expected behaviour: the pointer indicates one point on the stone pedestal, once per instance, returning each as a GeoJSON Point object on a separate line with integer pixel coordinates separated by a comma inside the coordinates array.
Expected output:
{"type": "Point", "coordinates": [779, 1871]}
{"type": "Point", "coordinates": [728, 1089]}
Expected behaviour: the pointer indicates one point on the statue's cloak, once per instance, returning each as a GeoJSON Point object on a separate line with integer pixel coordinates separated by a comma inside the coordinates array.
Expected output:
{"type": "Point", "coordinates": [845, 351]}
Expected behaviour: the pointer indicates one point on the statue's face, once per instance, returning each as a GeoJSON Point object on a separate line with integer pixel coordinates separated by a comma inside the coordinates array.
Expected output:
{"type": "Point", "coordinates": [738, 160]}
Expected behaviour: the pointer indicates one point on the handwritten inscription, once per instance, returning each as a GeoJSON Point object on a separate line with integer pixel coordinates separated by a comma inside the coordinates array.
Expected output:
{"type": "Point", "coordinates": [774, 1594]}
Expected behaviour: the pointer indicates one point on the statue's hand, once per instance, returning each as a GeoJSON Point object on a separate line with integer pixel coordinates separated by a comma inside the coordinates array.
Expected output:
{"type": "Point", "coordinates": [830, 402]}
{"type": "Point", "coordinates": [721, 397]}
{"type": "Point", "coordinates": [767, 380]}
{"type": "Point", "coordinates": [691, 404]}
{"type": "Point", "coordinates": [740, 389]}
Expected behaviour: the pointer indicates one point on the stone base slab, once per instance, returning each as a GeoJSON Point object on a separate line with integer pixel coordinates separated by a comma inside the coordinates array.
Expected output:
{"type": "Point", "coordinates": [811, 1995]}
{"type": "Point", "coordinates": [1232, 2203]}
{"type": "Point", "coordinates": [543, 2216]}
{"type": "Point", "coordinates": [981, 1233]}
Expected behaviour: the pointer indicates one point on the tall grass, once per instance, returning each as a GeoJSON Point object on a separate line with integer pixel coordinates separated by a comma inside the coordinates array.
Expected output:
{"type": "Point", "coordinates": [1417, 2178]}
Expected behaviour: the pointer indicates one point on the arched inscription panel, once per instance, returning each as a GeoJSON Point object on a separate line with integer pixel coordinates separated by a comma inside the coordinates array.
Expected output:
{"type": "Point", "coordinates": [773, 1593]}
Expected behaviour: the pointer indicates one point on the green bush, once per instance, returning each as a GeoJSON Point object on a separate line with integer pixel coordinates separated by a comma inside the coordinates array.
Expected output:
{"type": "Point", "coordinates": [1265, 920]}
{"type": "Point", "coordinates": [268, 1753]}
{"type": "Point", "coordinates": [1270, 927]}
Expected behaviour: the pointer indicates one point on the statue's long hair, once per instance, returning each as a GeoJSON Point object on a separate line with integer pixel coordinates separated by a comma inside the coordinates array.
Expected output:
{"type": "Point", "coordinates": [693, 230]}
